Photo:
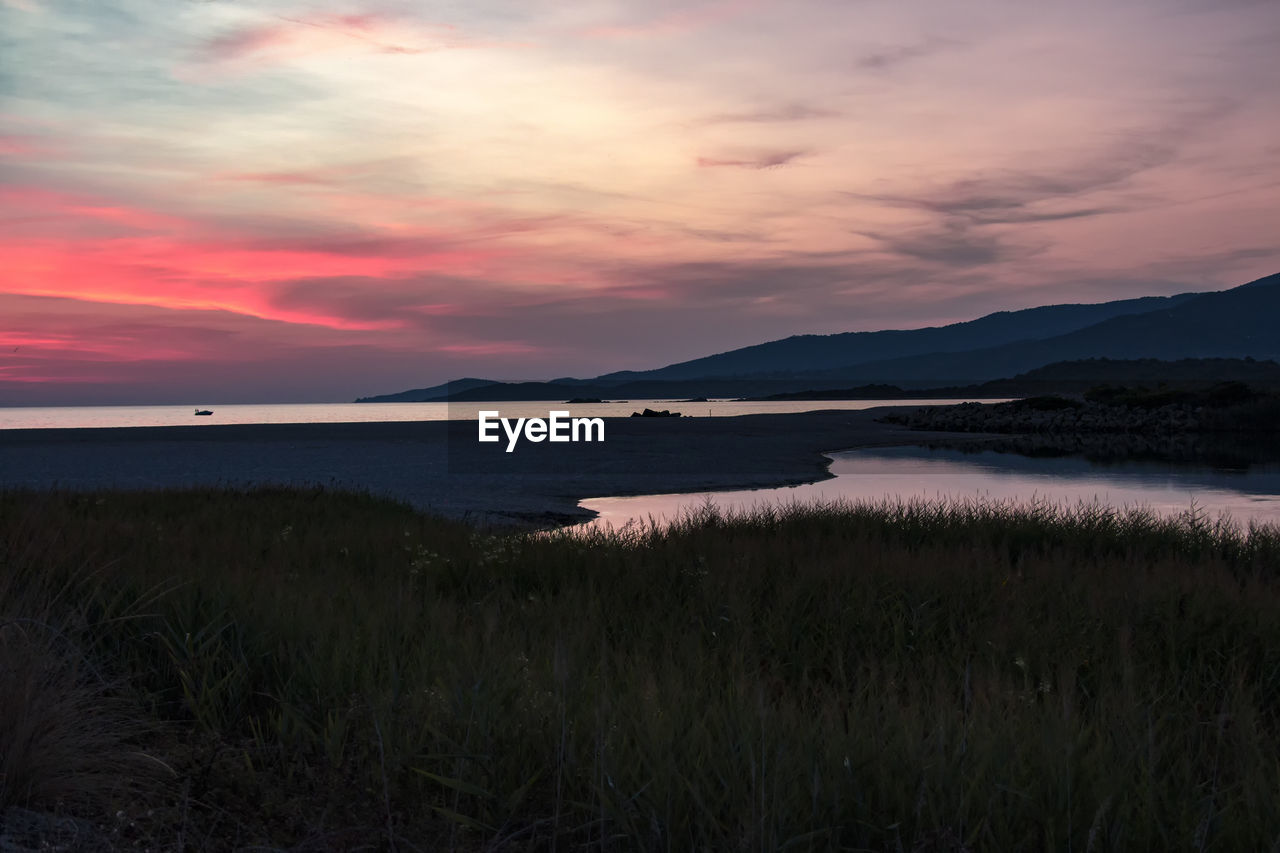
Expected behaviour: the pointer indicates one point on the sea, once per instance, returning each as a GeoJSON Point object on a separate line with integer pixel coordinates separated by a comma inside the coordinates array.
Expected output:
{"type": "Point", "coordinates": [92, 417]}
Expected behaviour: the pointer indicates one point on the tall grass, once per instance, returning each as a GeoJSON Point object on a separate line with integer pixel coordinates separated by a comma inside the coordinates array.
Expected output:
{"type": "Point", "coordinates": [330, 668]}
{"type": "Point", "coordinates": [71, 734]}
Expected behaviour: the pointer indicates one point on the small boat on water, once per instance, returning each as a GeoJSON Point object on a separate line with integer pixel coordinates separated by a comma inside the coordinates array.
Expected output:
{"type": "Point", "coordinates": [204, 411]}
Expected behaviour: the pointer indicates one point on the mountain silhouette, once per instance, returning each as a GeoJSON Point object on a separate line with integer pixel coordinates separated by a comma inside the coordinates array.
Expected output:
{"type": "Point", "coordinates": [810, 353]}
{"type": "Point", "coordinates": [1236, 323]}
{"type": "Point", "coordinates": [435, 392]}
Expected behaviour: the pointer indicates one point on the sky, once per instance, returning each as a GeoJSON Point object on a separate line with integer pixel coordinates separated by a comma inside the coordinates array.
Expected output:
{"type": "Point", "coordinates": [209, 201]}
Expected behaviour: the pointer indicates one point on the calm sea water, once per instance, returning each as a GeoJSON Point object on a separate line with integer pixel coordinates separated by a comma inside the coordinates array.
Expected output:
{"type": "Point", "coordinates": [1251, 494]}
{"type": "Point", "coordinates": [79, 417]}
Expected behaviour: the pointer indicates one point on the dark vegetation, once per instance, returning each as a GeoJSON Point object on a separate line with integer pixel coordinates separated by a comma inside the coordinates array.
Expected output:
{"type": "Point", "coordinates": [1220, 395]}
{"type": "Point", "coordinates": [1222, 408]}
{"type": "Point", "coordinates": [1234, 451]}
{"type": "Point", "coordinates": [1076, 377]}
{"type": "Point", "coordinates": [211, 669]}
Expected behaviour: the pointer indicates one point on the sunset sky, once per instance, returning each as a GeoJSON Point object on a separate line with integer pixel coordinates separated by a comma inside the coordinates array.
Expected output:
{"type": "Point", "coordinates": [215, 201]}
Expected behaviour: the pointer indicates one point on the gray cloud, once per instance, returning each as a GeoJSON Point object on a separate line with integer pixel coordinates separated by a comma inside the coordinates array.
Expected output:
{"type": "Point", "coordinates": [955, 242]}
{"type": "Point", "coordinates": [240, 41]}
{"type": "Point", "coordinates": [891, 57]}
{"type": "Point", "coordinates": [411, 301]}
{"type": "Point", "coordinates": [1007, 196]}
{"type": "Point", "coordinates": [762, 160]}
{"type": "Point", "coordinates": [727, 236]}
{"type": "Point", "coordinates": [794, 111]}
{"type": "Point", "coordinates": [815, 294]}
{"type": "Point", "coordinates": [965, 210]}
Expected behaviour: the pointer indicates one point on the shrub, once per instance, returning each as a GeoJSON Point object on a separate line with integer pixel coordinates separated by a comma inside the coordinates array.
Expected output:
{"type": "Point", "coordinates": [1048, 403]}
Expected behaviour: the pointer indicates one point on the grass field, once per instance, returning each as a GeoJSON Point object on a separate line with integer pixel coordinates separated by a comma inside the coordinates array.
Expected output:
{"type": "Point", "coordinates": [314, 670]}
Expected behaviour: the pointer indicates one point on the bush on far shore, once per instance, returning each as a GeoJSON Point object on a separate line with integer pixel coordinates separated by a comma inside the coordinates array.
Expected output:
{"type": "Point", "coordinates": [1218, 396]}
{"type": "Point", "coordinates": [316, 670]}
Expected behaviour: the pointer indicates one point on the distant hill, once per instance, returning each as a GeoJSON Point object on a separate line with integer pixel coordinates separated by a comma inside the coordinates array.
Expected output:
{"type": "Point", "coordinates": [1236, 323]}
{"type": "Point", "coordinates": [435, 392]}
{"type": "Point", "coordinates": [809, 353]}
{"type": "Point", "coordinates": [522, 391]}
{"type": "Point", "coordinates": [640, 390]}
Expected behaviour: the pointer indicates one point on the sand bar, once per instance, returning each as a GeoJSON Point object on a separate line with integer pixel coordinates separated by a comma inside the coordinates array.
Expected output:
{"type": "Point", "coordinates": [440, 467]}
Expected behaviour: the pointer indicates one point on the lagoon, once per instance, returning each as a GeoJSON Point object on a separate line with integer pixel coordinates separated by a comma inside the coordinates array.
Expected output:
{"type": "Point", "coordinates": [1245, 493]}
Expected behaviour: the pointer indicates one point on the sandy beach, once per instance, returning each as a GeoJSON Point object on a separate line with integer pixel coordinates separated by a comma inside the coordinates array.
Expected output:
{"type": "Point", "coordinates": [440, 467]}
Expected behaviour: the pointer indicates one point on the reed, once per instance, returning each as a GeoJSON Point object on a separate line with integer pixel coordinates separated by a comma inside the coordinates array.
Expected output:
{"type": "Point", "coordinates": [324, 669]}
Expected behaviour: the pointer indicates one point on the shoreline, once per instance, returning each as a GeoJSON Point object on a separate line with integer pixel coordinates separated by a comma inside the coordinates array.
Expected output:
{"type": "Point", "coordinates": [438, 467]}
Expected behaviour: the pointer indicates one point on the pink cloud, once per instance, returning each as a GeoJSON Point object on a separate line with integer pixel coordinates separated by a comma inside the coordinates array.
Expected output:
{"type": "Point", "coordinates": [94, 348]}
{"type": "Point", "coordinates": [65, 212]}
{"type": "Point", "coordinates": [77, 351]}
{"type": "Point", "coordinates": [328, 174]}
{"type": "Point", "coordinates": [15, 146]}
{"type": "Point", "coordinates": [288, 38]}
{"type": "Point", "coordinates": [63, 342]}
{"type": "Point", "coordinates": [176, 263]}
{"type": "Point", "coordinates": [402, 288]}
{"type": "Point", "coordinates": [14, 340]}
{"type": "Point", "coordinates": [39, 376]}
{"type": "Point", "coordinates": [178, 274]}
{"type": "Point", "coordinates": [246, 40]}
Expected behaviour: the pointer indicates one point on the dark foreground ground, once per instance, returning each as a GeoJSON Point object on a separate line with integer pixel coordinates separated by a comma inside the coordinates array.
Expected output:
{"type": "Point", "coordinates": [307, 670]}
{"type": "Point", "coordinates": [439, 467]}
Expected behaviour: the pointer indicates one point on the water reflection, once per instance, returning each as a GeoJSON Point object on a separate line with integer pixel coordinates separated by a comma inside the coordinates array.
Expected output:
{"type": "Point", "coordinates": [1245, 490]}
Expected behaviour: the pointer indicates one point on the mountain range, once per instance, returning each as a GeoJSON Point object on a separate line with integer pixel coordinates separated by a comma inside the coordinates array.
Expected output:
{"type": "Point", "coordinates": [1243, 322]}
